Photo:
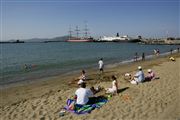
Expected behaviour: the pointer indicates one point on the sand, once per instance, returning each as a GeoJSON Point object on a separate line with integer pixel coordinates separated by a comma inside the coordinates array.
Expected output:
{"type": "Point", "coordinates": [155, 100]}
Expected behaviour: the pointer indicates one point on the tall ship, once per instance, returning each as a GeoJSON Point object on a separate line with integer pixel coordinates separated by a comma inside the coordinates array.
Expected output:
{"type": "Point", "coordinates": [74, 36]}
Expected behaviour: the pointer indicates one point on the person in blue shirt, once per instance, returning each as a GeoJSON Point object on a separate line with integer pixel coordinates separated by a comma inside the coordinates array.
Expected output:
{"type": "Point", "coordinates": [138, 77]}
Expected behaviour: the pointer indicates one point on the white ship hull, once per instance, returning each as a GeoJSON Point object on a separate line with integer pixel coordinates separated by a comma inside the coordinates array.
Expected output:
{"type": "Point", "coordinates": [117, 39]}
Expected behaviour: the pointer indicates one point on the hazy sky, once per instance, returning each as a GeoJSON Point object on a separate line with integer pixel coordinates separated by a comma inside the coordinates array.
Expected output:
{"type": "Point", "coordinates": [22, 19]}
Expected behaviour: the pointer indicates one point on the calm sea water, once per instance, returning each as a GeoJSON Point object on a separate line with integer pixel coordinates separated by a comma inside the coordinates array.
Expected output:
{"type": "Point", "coordinates": [48, 59]}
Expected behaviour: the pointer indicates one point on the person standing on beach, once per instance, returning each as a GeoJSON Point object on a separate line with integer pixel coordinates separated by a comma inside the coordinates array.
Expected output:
{"type": "Point", "coordinates": [158, 52]}
{"type": "Point", "coordinates": [101, 65]}
{"type": "Point", "coordinates": [178, 50]}
{"type": "Point", "coordinates": [143, 56]}
{"type": "Point", "coordinates": [171, 50]}
{"type": "Point", "coordinates": [155, 52]}
{"type": "Point", "coordinates": [135, 56]}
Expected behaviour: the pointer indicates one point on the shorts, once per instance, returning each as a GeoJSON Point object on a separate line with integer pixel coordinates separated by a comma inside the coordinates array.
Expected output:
{"type": "Point", "coordinates": [101, 69]}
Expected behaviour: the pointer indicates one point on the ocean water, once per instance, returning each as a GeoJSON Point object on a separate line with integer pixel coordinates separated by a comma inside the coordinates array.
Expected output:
{"type": "Point", "coordinates": [49, 59]}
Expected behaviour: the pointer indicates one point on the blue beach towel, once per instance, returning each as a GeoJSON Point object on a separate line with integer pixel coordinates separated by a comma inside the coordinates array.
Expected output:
{"type": "Point", "coordinates": [83, 109]}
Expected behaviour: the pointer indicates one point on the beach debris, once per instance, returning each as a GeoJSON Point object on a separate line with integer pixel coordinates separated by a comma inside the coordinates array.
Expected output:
{"type": "Point", "coordinates": [62, 113]}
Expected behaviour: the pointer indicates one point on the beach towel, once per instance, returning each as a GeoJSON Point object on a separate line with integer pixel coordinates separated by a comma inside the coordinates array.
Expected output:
{"type": "Point", "coordinates": [83, 109]}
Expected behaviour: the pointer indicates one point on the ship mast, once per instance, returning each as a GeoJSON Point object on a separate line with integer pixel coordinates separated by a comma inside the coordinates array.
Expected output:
{"type": "Point", "coordinates": [70, 33]}
{"type": "Point", "coordinates": [167, 34]}
{"type": "Point", "coordinates": [86, 30]}
{"type": "Point", "coordinates": [77, 31]}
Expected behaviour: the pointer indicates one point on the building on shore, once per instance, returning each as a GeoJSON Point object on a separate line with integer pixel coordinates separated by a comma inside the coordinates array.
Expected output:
{"type": "Point", "coordinates": [162, 41]}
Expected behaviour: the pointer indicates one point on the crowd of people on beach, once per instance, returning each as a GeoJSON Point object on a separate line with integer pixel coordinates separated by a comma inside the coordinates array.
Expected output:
{"type": "Point", "coordinates": [86, 96]}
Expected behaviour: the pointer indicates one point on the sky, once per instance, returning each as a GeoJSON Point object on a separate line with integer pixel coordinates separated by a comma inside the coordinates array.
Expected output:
{"type": "Point", "coordinates": [24, 19]}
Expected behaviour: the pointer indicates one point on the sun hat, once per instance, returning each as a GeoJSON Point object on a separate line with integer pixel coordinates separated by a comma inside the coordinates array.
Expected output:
{"type": "Point", "coordinates": [149, 70]}
{"type": "Point", "coordinates": [139, 67]}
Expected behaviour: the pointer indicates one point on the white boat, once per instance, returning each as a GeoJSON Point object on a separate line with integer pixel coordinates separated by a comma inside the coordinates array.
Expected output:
{"type": "Point", "coordinates": [117, 38]}
{"type": "Point", "coordinates": [111, 39]}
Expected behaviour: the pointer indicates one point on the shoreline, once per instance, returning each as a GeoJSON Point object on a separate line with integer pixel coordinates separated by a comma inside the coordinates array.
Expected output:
{"type": "Point", "coordinates": [46, 98]}
{"type": "Point", "coordinates": [70, 76]}
{"type": "Point", "coordinates": [77, 71]}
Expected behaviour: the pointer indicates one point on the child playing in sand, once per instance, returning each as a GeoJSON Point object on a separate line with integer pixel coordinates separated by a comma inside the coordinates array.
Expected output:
{"type": "Point", "coordinates": [83, 75]}
{"type": "Point", "coordinates": [114, 86]}
{"type": "Point", "coordinates": [82, 78]}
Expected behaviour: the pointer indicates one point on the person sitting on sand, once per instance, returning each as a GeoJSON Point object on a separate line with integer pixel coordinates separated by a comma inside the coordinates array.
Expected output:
{"type": "Point", "coordinates": [114, 88]}
{"type": "Point", "coordinates": [138, 77]}
{"type": "Point", "coordinates": [83, 95]}
{"type": "Point", "coordinates": [83, 75]}
{"type": "Point", "coordinates": [172, 58]}
{"type": "Point", "coordinates": [150, 75]}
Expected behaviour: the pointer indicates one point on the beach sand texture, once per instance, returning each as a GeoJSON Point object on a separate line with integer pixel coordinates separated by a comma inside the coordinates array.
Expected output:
{"type": "Point", "coordinates": [155, 100]}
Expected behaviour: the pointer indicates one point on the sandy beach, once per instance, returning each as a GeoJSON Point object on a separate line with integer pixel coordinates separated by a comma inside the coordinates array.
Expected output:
{"type": "Point", "coordinates": [155, 100]}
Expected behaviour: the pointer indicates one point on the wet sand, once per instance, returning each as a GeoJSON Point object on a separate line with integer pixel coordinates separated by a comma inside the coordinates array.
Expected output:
{"type": "Point", "coordinates": [155, 100]}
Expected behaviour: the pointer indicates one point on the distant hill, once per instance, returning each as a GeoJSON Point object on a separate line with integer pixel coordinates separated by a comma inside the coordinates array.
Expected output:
{"type": "Point", "coordinates": [55, 39]}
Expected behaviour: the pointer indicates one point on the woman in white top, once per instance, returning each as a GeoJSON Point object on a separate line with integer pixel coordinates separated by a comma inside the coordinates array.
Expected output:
{"type": "Point", "coordinates": [114, 86]}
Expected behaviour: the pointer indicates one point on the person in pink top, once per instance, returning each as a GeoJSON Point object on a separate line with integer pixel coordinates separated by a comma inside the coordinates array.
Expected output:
{"type": "Point", "coordinates": [150, 76]}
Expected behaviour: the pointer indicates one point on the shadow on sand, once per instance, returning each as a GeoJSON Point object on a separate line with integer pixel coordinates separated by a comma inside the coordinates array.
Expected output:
{"type": "Point", "coordinates": [123, 89]}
